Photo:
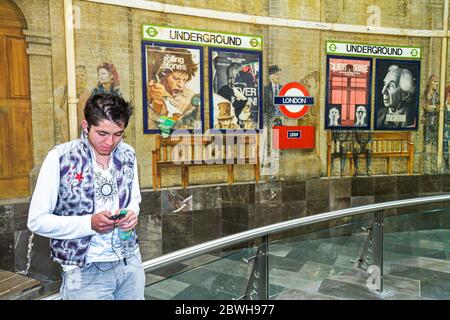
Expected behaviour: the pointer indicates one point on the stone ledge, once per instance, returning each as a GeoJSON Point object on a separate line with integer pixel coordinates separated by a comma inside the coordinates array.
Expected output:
{"type": "Point", "coordinates": [13, 285]}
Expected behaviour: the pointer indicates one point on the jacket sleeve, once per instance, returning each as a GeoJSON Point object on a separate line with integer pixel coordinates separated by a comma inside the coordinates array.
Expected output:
{"type": "Point", "coordinates": [41, 219]}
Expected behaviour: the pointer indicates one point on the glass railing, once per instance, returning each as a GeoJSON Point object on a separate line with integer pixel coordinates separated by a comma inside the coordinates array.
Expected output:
{"type": "Point", "coordinates": [308, 266]}
{"type": "Point", "coordinates": [392, 250]}
{"type": "Point", "coordinates": [222, 278]}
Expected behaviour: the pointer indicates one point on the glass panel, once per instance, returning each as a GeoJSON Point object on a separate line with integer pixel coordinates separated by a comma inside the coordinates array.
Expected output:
{"type": "Point", "coordinates": [318, 265]}
{"type": "Point", "coordinates": [417, 254]}
{"type": "Point", "coordinates": [322, 262]}
{"type": "Point", "coordinates": [222, 277]}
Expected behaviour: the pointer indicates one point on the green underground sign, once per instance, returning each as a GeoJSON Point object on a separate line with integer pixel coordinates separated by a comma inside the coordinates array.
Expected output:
{"type": "Point", "coordinates": [372, 50]}
{"type": "Point", "coordinates": [201, 37]}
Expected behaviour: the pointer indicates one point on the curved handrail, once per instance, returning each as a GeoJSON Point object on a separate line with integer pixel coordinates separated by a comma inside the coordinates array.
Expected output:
{"type": "Point", "coordinates": [206, 247]}
{"type": "Point", "coordinates": [202, 248]}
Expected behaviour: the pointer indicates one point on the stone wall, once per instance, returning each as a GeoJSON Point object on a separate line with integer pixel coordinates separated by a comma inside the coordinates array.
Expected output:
{"type": "Point", "coordinates": [173, 219]}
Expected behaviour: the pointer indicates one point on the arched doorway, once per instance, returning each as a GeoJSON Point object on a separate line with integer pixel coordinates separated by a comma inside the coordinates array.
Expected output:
{"type": "Point", "coordinates": [16, 153]}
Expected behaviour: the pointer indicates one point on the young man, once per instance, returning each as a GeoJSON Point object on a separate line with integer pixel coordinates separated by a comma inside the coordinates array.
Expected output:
{"type": "Point", "coordinates": [82, 184]}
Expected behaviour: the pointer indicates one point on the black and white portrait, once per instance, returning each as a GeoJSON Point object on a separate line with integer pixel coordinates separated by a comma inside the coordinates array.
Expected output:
{"type": "Point", "coordinates": [397, 99]}
{"type": "Point", "coordinates": [333, 117]}
{"type": "Point", "coordinates": [361, 116]}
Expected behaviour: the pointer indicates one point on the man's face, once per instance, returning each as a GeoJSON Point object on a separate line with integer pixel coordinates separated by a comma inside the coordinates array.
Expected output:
{"type": "Point", "coordinates": [334, 114]}
{"type": "Point", "coordinates": [434, 83]}
{"type": "Point", "coordinates": [275, 78]}
{"type": "Point", "coordinates": [104, 137]}
{"type": "Point", "coordinates": [232, 75]}
{"type": "Point", "coordinates": [391, 91]}
{"type": "Point", "coordinates": [175, 82]}
{"type": "Point", "coordinates": [361, 113]}
{"type": "Point", "coordinates": [225, 124]}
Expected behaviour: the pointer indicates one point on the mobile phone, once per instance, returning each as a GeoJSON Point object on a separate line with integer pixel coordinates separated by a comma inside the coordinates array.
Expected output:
{"type": "Point", "coordinates": [119, 216]}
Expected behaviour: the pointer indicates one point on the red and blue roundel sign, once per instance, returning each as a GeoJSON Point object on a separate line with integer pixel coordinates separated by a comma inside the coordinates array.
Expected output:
{"type": "Point", "coordinates": [294, 100]}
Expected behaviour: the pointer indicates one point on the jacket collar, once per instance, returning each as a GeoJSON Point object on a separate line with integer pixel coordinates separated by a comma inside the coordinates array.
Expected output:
{"type": "Point", "coordinates": [88, 147]}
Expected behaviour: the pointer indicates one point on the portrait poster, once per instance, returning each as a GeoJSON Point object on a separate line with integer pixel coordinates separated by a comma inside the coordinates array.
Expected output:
{"type": "Point", "coordinates": [172, 87]}
{"type": "Point", "coordinates": [349, 82]}
{"type": "Point", "coordinates": [397, 86]}
{"type": "Point", "coordinates": [235, 89]}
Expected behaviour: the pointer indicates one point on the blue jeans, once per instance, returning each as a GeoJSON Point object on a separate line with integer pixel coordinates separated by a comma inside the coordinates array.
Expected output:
{"type": "Point", "coordinates": [118, 281]}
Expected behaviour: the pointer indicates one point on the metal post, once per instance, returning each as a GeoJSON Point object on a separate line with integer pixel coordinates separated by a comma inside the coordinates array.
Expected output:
{"type": "Point", "coordinates": [263, 268]}
{"type": "Point", "coordinates": [378, 245]}
{"type": "Point", "coordinates": [258, 282]}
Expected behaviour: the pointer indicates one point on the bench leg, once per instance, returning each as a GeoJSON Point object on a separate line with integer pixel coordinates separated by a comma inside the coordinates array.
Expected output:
{"type": "Point", "coordinates": [154, 182]}
{"type": "Point", "coordinates": [230, 168]}
{"type": "Point", "coordinates": [389, 166]}
{"type": "Point", "coordinates": [158, 178]}
{"type": "Point", "coordinates": [185, 176]}
{"type": "Point", "coordinates": [352, 166]}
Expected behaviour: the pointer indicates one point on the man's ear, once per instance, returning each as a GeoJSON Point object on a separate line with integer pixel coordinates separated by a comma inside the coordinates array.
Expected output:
{"type": "Point", "coordinates": [85, 125]}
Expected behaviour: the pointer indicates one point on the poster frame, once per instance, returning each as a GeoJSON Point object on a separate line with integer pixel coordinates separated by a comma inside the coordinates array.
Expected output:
{"type": "Point", "coordinates": [378, 87]}
{"type": "Point", "coordinates": [258, 53]}
{"type": "Point", "coordinates": [369, 94]}
{"type": "Point", "coordinates": [144, 45]}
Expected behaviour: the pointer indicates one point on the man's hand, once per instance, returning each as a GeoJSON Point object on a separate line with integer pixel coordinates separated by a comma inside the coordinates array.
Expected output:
{"type": "Point", "coordinates": [101, 222]}
{"type": "Point", "coordinates": [155, 95]}
{"type": "Point", "coordinates": [128, 222]}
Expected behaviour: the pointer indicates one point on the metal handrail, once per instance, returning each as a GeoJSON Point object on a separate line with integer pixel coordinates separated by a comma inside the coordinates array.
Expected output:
{"type": "Point", "coordinates": [206, 247]}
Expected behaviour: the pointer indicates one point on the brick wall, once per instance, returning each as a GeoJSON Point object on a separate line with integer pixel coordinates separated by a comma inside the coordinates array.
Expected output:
{"type": "Point", "coordinates": [107, 33]}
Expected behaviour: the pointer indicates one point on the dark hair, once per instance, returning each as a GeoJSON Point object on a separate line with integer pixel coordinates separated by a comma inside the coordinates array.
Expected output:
{"type": "Point", "coordinates": [107, 106]}
{"type": "Point", "coordinates": [187, 65]}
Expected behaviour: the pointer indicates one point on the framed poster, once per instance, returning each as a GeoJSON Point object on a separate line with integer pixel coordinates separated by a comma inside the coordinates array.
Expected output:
{"type": "Point", "coordinates": [172, 87]}
{"type": "Point", "coordinates": [349, 82]}
{"type": "Point", "coordinates": [397, 94]}
{"type": "Point", "coordinates": [235, 89]}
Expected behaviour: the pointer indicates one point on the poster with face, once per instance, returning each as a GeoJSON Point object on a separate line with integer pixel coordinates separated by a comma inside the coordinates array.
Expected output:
{"type": "Point", "coordinates": [348, 93]}
{"type": "Point", "coordinates": [235, 89]}
{"type": "Point", "coordinates": [397, 94]}
{"type": "Point", "coordinates": [172, 87]}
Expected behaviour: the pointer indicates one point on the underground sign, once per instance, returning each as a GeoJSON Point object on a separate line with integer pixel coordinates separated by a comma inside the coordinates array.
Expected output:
{"type": "Point", "coordinates": [293, 100]}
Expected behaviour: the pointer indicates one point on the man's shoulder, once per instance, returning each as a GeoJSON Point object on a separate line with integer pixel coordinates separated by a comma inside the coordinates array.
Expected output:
{"type": "Point", "coordinates": [224, 89]}
{"type": "Point", "coordinates": [66, 147]}
{"type": "Point", "coordinates": [126, 146]}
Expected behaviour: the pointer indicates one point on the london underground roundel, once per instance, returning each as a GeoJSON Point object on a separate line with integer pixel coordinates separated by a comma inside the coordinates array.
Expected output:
{"type": "Point", "coordinates": [294, 100]}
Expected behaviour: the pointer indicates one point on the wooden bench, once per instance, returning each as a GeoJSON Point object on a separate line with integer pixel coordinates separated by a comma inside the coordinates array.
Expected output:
{"type": "Point", "coordinates": [378, 144]}
{"type": "Point", "coordinates": [195, 150]}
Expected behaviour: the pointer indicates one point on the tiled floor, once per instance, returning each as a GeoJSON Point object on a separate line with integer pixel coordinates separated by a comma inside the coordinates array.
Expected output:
{"type": "Point", "coordinates": [416, 266]}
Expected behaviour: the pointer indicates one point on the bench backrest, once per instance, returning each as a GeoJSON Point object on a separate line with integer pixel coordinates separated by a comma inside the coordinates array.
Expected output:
{"type": "Point", "coordinates": [210, 149]}
{"type": "Point", "coordinates": [380, 144]}
{"type": "Point", "coordinates": [376, 142]}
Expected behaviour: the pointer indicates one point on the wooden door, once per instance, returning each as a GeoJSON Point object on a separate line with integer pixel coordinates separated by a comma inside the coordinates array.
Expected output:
{"type": "Point", "coordinates": [16, 153]}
